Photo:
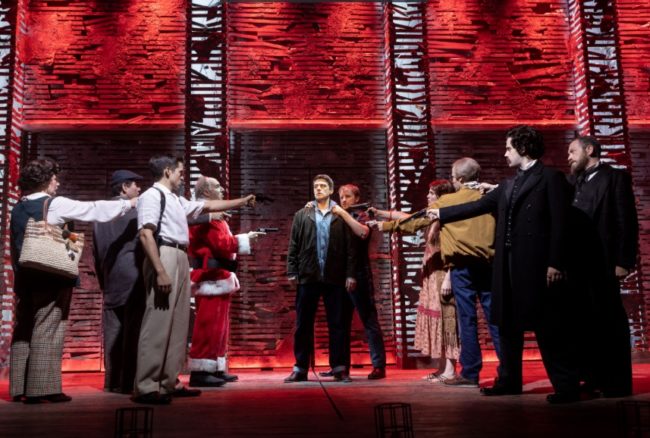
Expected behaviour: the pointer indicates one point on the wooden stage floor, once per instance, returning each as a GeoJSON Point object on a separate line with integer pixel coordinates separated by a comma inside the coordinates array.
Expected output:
{"type": "Point", "coordinates": [260, 405]}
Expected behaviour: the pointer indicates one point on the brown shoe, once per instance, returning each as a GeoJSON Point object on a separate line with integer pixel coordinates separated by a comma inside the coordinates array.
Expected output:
{"type": "Point", "coordinates": [377, 373]}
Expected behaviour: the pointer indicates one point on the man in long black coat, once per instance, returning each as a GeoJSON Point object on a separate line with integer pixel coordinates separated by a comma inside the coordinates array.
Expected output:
{"type": "Point", "coordinates": [606, 219]}
{"type": "Point", "coordinates": [528, 288]}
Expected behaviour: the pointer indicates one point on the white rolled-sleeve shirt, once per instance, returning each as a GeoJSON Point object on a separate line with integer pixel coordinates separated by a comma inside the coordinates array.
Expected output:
{"type": "Point", "coordinates": [61, 209]}
{"type": "Point", "coordinates": [173, 226]}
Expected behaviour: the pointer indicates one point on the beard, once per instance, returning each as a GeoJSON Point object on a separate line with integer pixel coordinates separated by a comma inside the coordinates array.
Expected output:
{"type": "Point", "coordinates": [579, 166]}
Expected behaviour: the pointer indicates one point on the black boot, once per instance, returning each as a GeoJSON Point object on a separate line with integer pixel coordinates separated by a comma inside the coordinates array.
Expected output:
{"type": "Point", "coordinates": [205, 379]}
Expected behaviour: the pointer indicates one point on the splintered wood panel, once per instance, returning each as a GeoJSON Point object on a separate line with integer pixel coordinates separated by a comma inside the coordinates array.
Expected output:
{"type": "Point", "coordinates": [638, 304]}
{"type": "Point", "coordinates": [102, 63]}
{"type": "Point", "coordinates": [281, 165]}
{"type": "Point", "coordinates": [633, 24]}
{"type": "Point", "coordinates": [305, 61]}
{"type": "Point", "coordinates": [87, 162]}
{"type": "Point", "coordinates": [499, 61]}
{"type": "Point", "coordinates": [634, 38]}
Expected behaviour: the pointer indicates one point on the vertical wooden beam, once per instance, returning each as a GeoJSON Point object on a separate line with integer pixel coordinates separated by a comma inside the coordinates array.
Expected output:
{"type": "Point", "coordinates": [410, 157]}
{"type": "Point", "coordinates": [10, 119]}
{"type": "Point", "coordinates": [206, 136]}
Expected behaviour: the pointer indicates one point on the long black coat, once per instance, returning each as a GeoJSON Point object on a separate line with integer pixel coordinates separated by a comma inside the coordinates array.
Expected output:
{"type": "Point", "coordinates": [605, 229]}
{"type": "Point", "coordinates": [614, 215]}
{"type": "Point", "coordinates": [538, 230]}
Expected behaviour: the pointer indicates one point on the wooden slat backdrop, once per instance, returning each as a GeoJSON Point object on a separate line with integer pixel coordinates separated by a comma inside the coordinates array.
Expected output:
{"type": "Point", "coordinates": [106, 63]}
{"type": "Point", "coordinates": [281, 165]}
{"type": "Point", "coordinates": [87, 161]}
{"type": "Point", "coordinates": [499, 62]}
{"type": "Point", "coordinates": [633, 24]}
{"type": "Point", "coordinates": [305, 61]}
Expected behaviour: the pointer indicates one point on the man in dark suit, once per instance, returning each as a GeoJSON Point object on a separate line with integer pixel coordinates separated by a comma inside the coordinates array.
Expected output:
{"type": "Point", "coordinates": [607, 218]}
{"type": "Point", "coordinates": [527, 282]}
{"type": "Point", "coordinates": [321, 261]}
{"type": "Point", "coordinates": [118, 257]}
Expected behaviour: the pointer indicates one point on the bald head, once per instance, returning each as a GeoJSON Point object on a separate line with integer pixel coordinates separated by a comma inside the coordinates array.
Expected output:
{"type": "Point", "coordinates": [465, 170]}
{"type": "Point", "coordinates": [208, 188]}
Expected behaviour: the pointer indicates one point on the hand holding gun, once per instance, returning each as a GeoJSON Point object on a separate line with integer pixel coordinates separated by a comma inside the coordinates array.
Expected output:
{"type": "Point", "coordinates": [266, 230]}
{"type": "Point", "coordinates": [262, 198]}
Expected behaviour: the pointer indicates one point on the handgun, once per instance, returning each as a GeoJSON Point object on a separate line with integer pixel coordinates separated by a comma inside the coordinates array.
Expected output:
{"type": "Point", "coordinates": [267, 230]}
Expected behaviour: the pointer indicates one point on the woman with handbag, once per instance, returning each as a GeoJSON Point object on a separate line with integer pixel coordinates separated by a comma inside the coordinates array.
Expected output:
{"type": "Point", "coordinates": [44, 276]}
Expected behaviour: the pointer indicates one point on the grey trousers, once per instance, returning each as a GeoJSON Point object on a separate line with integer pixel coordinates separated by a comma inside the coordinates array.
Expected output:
{"type": "Point", "coordinates": [162, 345]}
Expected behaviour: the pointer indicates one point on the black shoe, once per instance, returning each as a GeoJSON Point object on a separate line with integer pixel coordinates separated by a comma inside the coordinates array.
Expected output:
{"type": "Point", "coordinates": [225, 376]}
{"type": "Point", "coordinates": [559, 398]}
{"type": "Point", "coordinates": [296, 376]}
{"type": "Point", "coordinates": [328, 373]}
{"type": "Point", "coordinates": [498, 390]}
{"type": "Point", "coordinates": [152, 398]}
{"type": "Point", "coordinates": [377, 373]}
{"type": "Point", "coordinates": [185, 392]}
{"type": "Point", "coordinates": [18, 398]}
{"type": "Point", "coordinates": [205, 379]}
{"type": "Point", "coordinates": [342, 376]}
{"type": "Point", "coordinates": [51, 398]}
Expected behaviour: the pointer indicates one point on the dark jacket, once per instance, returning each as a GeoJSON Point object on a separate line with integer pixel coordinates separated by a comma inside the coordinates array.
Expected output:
{"type": "Point", "coordinates": [538, 230]}
{"type": "Point", "coordinates": [118, 259]}
{"type": "Point", "coordinates": [302, 257]}
{"type": "Point", "coordinates": [608, 201]}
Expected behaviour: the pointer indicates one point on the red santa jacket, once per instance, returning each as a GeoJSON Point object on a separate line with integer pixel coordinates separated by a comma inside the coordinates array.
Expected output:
{"type": "Point", "coordinates": [213, 240]}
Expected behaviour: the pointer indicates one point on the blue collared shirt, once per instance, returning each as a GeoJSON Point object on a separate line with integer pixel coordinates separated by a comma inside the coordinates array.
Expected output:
{"type": "Point", "coordinates": [323, 221]}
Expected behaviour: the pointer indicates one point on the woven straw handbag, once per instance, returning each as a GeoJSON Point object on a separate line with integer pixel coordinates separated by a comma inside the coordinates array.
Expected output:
{"type": "Point", "coordinates": [49, 248]}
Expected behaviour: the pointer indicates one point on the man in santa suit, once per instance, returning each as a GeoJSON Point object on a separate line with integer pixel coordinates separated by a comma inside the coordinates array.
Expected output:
{"type": "Point", "coordinates": [213, 252]}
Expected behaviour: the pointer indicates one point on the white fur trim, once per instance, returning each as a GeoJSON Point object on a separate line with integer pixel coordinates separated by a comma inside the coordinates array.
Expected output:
{"type": "Point", "coordinates": [244, 244]}
{"type": "Point", "coordinates": [207, 365]}
{"type": "Point", "coordinates": [221, 364]}
{"type": "Point", "coordinates": [219, 287]}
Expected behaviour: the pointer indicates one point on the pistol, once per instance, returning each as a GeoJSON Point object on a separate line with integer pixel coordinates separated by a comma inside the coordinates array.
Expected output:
{"type": "Point", "coordinates": [262, 198]}
{"type": "Point", "coordinates": [267, 230]}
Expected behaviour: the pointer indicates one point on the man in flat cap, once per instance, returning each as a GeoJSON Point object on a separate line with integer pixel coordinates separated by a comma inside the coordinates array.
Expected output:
{"type": "Point", "coordinates": [118, 258]}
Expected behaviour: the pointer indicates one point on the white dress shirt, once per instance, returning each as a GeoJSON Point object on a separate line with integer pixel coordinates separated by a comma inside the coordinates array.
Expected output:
{"type": "Point", "coordinates": [173, 227]}
{"type": "Point", "coordinates": [62, 209]}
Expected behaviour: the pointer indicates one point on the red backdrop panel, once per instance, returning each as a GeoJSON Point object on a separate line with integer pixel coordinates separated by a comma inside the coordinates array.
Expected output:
{"type": "Point", "coordinates": [100, 63]}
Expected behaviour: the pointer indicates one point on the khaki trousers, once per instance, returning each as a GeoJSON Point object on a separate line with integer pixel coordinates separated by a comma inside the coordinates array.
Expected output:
{"type": "Point", "coordinates": [163, 334]}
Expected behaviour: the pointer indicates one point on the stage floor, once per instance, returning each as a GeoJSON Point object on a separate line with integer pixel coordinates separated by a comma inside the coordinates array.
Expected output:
{"type": "Point", "coordinates": [260, 404]}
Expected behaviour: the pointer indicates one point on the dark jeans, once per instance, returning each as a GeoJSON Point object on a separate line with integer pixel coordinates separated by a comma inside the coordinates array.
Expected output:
{"type": "Point", "coordinates": [363, 299]}
{"type": "Point", "coordinates": [336, 302]}
{"type": "Point", "coordinates": [469, 284]}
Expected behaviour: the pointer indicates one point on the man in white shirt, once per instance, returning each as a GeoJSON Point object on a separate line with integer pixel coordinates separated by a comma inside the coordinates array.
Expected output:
{"type": "Point", "coordinates": [164, 236]}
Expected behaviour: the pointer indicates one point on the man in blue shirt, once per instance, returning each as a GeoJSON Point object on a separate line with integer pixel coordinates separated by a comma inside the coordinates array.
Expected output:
{"type": "Point", "coordinates": [321, 261]}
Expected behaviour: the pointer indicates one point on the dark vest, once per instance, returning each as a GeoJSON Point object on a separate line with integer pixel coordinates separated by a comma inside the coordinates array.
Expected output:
{"type": "Point", "coordinates": [25, 209]}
